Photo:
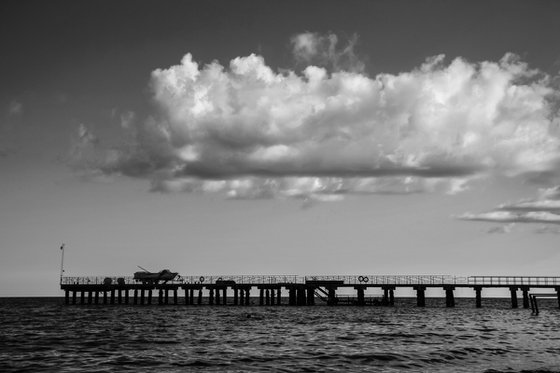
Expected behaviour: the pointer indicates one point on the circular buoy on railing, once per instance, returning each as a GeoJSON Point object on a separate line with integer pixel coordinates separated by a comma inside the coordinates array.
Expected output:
{"type": "Point", "coordinates": [201, 279]}
{"type": "Point", "coordinates": [366, 279]}
{"type": "Point", "coordinates": [219, 279]}
{"type": "Point", "coordinates": [361, 278]}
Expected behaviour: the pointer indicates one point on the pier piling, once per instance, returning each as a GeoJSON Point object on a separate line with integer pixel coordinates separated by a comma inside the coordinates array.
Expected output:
{"type": "Point", "coordinates": [449, 297]}
{"type": "Point", "coordinates": [360, 293]}
{"type": "Point", "coordinates": [525, 290]}
{"type": "Point", "coordinates": [420, 296]}
{"type": "Point", "coordinates": [513, 290]}
{"type": "Point", "coordinates": [478, 292]}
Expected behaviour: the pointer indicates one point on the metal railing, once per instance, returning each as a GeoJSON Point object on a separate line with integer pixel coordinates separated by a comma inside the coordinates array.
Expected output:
{"type": "Point", "coordinates": [514, 280]}
{"type": "Point", "coordinates": [106, 280]}
{"type": "Point", "coordinates": [244, 279]}
{"type": "Point", "coordinates": [371, 280]}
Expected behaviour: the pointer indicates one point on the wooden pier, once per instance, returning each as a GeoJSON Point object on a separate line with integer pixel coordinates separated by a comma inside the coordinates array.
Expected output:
{"type": "Point", "coordinates": [292, 290]}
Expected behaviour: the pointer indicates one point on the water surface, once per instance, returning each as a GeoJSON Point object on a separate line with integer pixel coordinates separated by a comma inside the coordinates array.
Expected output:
{"type": "Point", "coordinates": [41, 334]}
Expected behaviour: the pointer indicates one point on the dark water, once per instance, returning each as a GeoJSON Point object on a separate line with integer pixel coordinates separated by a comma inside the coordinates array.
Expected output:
{"type": "Point", "coordinates": [42, 335]}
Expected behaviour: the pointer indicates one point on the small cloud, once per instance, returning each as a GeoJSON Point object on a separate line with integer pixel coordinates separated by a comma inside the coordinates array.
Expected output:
{"type": "Point", "coordinates": [547, 229]}
{"type": "Point", "coordinates": [513, 217]}
{"type": "Point", "coordinates": [503, 229]}
{"type": "Point", "coordinates": [127, 119]}
{"type": "Point", "coordinates": [15, 108]}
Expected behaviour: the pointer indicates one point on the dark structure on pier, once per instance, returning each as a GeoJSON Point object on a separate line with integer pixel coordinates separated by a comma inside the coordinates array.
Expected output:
{"type": "Point", "coordinates": [291, 290]}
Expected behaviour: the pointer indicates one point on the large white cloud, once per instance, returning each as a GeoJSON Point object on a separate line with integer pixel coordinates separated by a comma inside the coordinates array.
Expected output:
{"type": "Point", "coordinates": [251, 132]}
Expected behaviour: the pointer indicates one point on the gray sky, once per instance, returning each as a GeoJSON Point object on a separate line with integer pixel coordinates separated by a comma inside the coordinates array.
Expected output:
{"type": "Point", "coordinates": [327, 137]}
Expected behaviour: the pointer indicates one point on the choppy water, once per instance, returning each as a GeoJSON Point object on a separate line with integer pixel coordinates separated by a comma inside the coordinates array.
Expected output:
{"type": "Point", "coordinates": [43, 335]}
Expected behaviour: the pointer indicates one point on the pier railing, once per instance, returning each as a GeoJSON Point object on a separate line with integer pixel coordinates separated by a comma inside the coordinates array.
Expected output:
{"type": "Point", "coordinates": [400, 280]}
{"type": "Point", "coordinates": [346, 279]}
{"type": "Point", "coordinates": [103, 280]}
{"type": "Point", "coordinates": [514, 280]}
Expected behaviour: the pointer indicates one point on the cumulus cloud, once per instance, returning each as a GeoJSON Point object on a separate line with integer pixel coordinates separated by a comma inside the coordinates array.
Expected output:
{"type": "Point", "coordinates": [325, 50]}
{"type": "Point", "coordinates": [544, 209]}
{"type": "Point", "coordinates": [250, 132]}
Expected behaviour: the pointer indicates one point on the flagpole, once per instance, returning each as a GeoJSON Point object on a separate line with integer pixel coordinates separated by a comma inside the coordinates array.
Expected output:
{"type": "Point", "coordinates": [61, 263]}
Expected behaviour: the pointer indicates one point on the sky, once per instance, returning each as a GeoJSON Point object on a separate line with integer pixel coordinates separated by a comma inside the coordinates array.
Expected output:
{"type": "Point", "coordinates": [278, 137]}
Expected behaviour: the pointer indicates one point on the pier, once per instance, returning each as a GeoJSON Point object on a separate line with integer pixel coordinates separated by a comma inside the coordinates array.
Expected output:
{"type": "Point", "coordinates": [220, 290]}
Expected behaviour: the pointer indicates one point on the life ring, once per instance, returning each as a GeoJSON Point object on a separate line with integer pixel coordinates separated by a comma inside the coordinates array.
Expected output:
{"type": "Point", "coordinates": [366, 279]}
{"type": "Point", "coordinates": [361, 278]}
{"type": "Point", "coordinates": [219, 279]}
{"type": "Point", "coordinates": [201, 279]}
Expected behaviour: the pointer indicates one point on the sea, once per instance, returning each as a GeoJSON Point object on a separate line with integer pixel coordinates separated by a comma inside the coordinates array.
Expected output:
{"type": "Point", "coordinates": [44, 335]}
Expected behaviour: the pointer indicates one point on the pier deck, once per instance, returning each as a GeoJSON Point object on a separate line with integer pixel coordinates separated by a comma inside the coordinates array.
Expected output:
{"type": "Point", "coordinates": [300, 290]}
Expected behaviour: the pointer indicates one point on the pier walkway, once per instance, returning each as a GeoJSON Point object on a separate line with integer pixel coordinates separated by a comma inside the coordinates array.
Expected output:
{"type": "Point", "coordinates": [299, 290]}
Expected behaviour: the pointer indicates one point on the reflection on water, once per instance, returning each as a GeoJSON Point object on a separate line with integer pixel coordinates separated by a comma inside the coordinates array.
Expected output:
{"type": "Point", "coordinates": [43, 335]}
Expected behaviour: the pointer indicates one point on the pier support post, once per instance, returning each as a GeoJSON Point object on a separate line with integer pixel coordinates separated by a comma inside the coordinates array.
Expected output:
{"type": "Point", "coordinates": [388, 296]}
{"type": "Point", "coordinates": [525, 290]}
{"type": "Point", "coordinates": [74, 297]}
{"type": "Point", "coordinates": [261, 297]}
{"type": "Point", "coordinates": [149, 296]}
{"type": "Point", "coordinates": [82, 297]}
{"type": "Point", "coordinates": [96, 297]}
{"type": "Point", "coordinates": [449, 297]}
{"type": "Point", "coordinates": [211, 297]}
{"type": "Point", "coordinates": [142, 297]}
{"type": "Point", "coordinates": [558, 295]}
{"type": "Point", "coordinates": [248, 296]}
{"type": "Point", "coordinates": [166, 295]}
{"type": "Point", "coordinates": [66, 297]}
{"type": "Point", "coordinates": [241, 297]}
{"type": "Point", "coordinates": [112, 296]}
{"type": "Point", "coordinates": [292, 293]}
{"type": "Point", "coordinates": [267, 297]}
{"type": "Point", "coordinates": [218, 297]}
{"type": "Point", "coordinates": [199, 300]}
{"type": "Point", "coordinates": [385, 300]}
{"type": "Point", "coordinates": [174, 296]}
{"type": "Point", "coordinates": [191, 296]}
{"type": "Point", "coordinates": [310, 296]}
{"type": "Point", "coordinates": [235, 296]}
{"type": "Point", "coordinates": [90, 297]}
{"type": "Point", "coordinates": [301, 299]}
{"type": "Point", "coordinates": [513, 291]}
{"type": "Point", "coordinates": [361, 298]}
{"type": "Point", "coordinates": [279, 296]}
{"type": "Point", "coordinates": [272, 297]}
{"type": "Point", "coordinates": [331, 300]}
{"type": "Point", "coordinates": [224, 298]}
{"type": "Point", "coordinates": [478, 291]}
{"type": "Point", "coordinates": [420, 295]}
{"type": "Point", "coordinates": [119, 296]}
{"type": "Point", "coordinates": [126, 297]}
{"type": "Point", "coordinates": [135, 300]}
{"type": "Point", "coordinates": [104, 297]}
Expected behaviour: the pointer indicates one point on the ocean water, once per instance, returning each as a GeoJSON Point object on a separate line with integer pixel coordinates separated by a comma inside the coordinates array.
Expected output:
{"type": "Point", "coordinates": [43, 335]}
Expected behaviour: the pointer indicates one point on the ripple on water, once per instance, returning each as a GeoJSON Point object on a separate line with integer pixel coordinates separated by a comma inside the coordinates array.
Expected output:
{"type": "Point", "coordinates": [42, 335]}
